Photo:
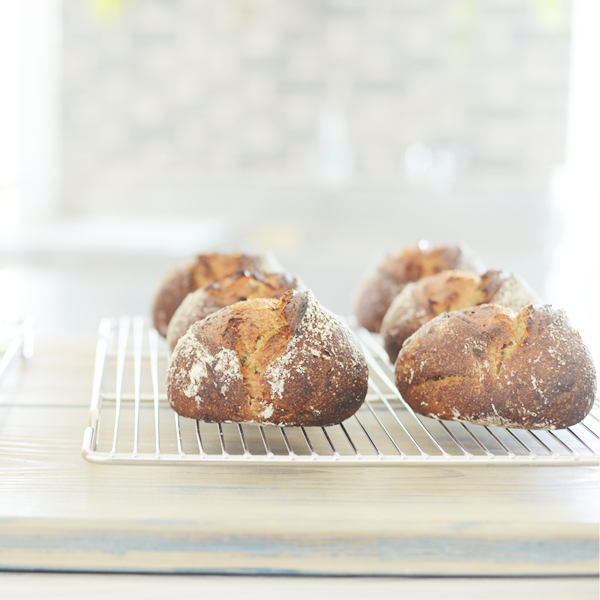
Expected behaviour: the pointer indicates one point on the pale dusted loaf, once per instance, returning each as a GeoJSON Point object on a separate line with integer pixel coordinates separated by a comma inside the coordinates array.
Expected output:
{"type": "Point", "coordinates": [240, 286]}
{"type": "Point", "coordinates": [196, 273]}
{"type": "Point", "coordinates": [421, 301]}
{"type": "Point", "coordinates": [490, 366]}
{"type": "Point", "coordinates": [383, 283]}
{"type": "Point", "coordinates": [286, 361]}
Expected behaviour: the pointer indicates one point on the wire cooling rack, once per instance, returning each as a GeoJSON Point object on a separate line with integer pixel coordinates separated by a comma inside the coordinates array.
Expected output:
{"type": "Point", "coordinates": [131, 422]}
{"type": "Point", "coordinates": [16, 337]}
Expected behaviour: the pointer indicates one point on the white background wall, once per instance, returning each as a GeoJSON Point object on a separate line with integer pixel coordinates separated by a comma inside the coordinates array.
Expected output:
{"type": "Point", "coordinates": [189, 96]}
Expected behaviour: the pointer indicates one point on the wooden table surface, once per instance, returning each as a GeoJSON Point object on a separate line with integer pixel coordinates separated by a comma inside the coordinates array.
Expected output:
{"type": "Point", "coordinates": [61, 513]}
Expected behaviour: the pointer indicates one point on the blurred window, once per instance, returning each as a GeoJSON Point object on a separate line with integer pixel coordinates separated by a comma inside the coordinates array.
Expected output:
{"type": "Point", "coordinates": [574, 283]}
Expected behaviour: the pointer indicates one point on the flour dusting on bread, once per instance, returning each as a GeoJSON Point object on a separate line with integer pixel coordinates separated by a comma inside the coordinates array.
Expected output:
{"type": "Point", "coordinates": [195, 355]}
{"type": "Point", "coordinates": [320, 326]}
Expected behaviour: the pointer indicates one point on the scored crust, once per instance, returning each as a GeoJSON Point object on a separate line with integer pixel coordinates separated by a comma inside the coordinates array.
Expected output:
{"type": "Point", "coordinates": [382, 284]}
{"type": "Point", "coordinates": [421, 301]}
{"type": "Point", "coordinates": [489, 366]}
{"type": "Point", "coordinates": [196, 273]}
{"type": "Point", "coordinates": [240, 286]}
{"type": "Point", "coordinates": [284, 361]}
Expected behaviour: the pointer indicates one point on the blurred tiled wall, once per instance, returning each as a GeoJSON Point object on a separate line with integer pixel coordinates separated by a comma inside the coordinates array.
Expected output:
{"type": "Point", "coordinates": [193, 94]}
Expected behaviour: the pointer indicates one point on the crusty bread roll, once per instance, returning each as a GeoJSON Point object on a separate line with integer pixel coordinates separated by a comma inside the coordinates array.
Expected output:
{"type": "Point", "coordinates": [383, 283]}
{"type": "Point", "coordinates": [196, 273]}
{"type": "Point", "coordinates": [490, 366]}
{"type": "Point", "coordinates": [421, 301]}
{"type": "Point", "coordinates": [242, 285]}
{"type": "Point", "coordinates": [285, 361]}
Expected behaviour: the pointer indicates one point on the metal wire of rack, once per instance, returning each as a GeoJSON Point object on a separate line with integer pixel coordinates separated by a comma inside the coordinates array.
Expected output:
{"type": "Point", "coordinates": [132, 423]}
{"type": "Point", "coordinates": [16, 337]}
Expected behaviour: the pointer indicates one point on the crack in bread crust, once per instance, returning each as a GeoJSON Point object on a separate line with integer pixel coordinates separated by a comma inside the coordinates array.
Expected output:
{"type": "Point", "coordinates": [212, 267]}
{"type": "Point", "coordinates": [265, 341]}
{"type": "Point", "coordinates": [503, 349]}
{"type": "Point", "coordinates": [438, 378]}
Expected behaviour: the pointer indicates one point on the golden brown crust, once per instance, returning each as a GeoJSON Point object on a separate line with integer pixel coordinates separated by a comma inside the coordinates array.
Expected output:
{"type": "Point", "coordinates": [240, 286]}
{"type": "Point", "coordinates": [489, 366]}
{"type": "Point", "coordinates": [421, 301]}
{"type": "Point", "coordinates": [194, 274]}
{"type": "Point", "coordinates": [285, 361]}
{"type": "Point", "coordinates": [381, 285]}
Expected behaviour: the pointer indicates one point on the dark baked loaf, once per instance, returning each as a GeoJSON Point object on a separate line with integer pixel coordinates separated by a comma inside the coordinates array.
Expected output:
{"type": "Point", "coordinates": [490, 366]}
{"type": "Point", "coordinates": [196, 273]}
{"type": "Point", "coordinates": [285, 361]}
{"type": "Point", "coordinates": [382, 284]}
{"type": "Point", "coordinates": [242, 285]}
{"type": "Point", "coordinates": [421, 301]}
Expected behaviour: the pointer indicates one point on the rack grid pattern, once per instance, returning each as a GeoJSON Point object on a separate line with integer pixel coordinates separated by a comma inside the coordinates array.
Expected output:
{"type": "Point", "coordinates": [131, 422]}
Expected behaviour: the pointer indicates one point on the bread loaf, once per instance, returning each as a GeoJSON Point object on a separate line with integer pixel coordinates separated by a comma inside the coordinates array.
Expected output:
{"type": "Point", "coordinates": [196, 273]}
{"type": "Point", "coordinates": [490, 366]}
{"type": "Point", "coordinates": [240, 286]}
{"type": "Point", "coordinates": [421, 301]}
{"type": "Point", "coordinates": [382, 284]}
{"type": "Point", "coordinates": [285, 361]}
